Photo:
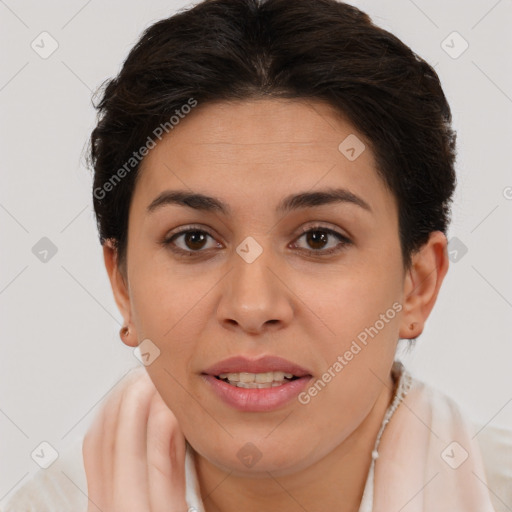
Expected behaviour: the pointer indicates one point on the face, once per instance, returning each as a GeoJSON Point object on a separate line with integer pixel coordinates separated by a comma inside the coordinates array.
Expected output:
{"type": "Point", "coordinates": [305, 280]}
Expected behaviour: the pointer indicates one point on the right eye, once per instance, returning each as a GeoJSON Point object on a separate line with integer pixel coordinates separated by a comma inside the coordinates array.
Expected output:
{"type": "Point", "coordinates": [192, 239]}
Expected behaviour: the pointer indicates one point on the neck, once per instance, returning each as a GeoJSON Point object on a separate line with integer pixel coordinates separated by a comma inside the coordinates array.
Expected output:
{"type": "Point", "coordinates": [335, 482]}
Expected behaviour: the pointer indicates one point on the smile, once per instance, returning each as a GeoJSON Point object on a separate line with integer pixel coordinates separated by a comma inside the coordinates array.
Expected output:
{"type": "Point", "coordinates": [257, 380]}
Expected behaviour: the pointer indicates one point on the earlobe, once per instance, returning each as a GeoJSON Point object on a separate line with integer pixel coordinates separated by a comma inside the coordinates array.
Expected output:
{"type": "Point", "coordinates": [119, 285]}
{"type": "Point", "coordinates": [422, 284]}
{"type": "Point", "coordinates": [126, 336]}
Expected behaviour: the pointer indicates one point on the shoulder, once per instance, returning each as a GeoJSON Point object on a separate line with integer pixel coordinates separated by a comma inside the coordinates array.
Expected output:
{"type": "Point", "coordinates": [496, 447]}
{"type": "Point", "coordinates": [449, 421]}
{"type": "Point", "coordinates": [59, 488]}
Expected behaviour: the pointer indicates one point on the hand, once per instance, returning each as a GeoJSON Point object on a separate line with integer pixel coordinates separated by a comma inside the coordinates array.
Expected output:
{"type": "Point", "coordinates": [134, 452]}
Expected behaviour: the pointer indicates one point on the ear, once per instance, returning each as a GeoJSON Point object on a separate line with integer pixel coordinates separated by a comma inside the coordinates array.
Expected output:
{"type": "Point", "coordinates": [120, 288]}
{"type": "Point", "coordinates": [422, 284]}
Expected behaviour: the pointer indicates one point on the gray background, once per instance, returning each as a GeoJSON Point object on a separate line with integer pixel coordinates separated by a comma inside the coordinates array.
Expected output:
{"type": "Point", "coordinates": [61, 353]}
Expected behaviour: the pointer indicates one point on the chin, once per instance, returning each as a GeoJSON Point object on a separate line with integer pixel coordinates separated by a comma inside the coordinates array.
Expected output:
{"type": "Point", "coordinates": [256, 461]}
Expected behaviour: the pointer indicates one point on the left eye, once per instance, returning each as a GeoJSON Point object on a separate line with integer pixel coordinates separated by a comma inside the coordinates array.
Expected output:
{"type": "Point", "coordinates": [317, 237]}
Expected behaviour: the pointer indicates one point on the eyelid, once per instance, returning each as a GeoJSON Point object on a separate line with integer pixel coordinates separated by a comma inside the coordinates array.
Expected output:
{"type": "Point", "coordinates": [323, 225]}
{"type": "Point", "coordinates": [189, 227]}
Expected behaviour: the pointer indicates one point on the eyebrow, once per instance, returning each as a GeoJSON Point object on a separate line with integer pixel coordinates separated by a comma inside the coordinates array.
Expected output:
{"type": "Point", "coordinates": [292, 202]}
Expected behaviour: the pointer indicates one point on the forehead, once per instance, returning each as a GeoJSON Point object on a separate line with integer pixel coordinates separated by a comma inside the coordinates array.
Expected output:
{"type": "Point", "coordinates": [257, 150]}
{"type": "Point", "coordinates": [263, 127]}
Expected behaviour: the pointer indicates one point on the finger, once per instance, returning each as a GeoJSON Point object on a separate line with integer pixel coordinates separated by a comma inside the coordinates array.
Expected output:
{"type": "Point", "coordinates": [98, 460]}
{"type": "Point", "coordinates": [98, 447]}
{"type": "Point", "coordinates": [93, 469]}
{"type": "Point", "coordinates": [111, 420]}
{"type": "Point", "coordinates": [166, 459]}
{"type": "Point", "coordinates": [130, 488]}
{"type": "Point", "coordinates": [109, 435]}
{"type": "Point", "coordinates": [92, 447]}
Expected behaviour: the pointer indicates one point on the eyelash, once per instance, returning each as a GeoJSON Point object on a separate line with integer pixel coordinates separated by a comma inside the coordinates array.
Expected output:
{"type": "Point", "coordinates": [344, 241]}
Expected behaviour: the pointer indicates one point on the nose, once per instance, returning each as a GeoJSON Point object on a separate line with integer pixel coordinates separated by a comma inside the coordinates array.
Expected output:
{"type": "Point", "coordinates": [255, 297]}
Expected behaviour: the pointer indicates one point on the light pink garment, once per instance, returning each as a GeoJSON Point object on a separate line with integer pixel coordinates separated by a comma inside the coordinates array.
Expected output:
{"type": "Point", "coordinates": [428, 459]}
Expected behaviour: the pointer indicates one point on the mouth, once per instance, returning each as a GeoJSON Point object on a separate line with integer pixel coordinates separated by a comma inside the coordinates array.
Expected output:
{"type": "Point", "coordinates": [256, 385]}
{"type": "Point", "coordinates": [257, 380]}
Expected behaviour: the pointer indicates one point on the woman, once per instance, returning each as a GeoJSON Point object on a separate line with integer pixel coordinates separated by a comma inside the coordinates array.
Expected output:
{"type": "Point", "coordinates": [272, 185]}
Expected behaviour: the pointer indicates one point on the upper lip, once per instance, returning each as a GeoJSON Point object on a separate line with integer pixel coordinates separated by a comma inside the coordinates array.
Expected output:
{"type": "Point", "coordinates": [261, 365]}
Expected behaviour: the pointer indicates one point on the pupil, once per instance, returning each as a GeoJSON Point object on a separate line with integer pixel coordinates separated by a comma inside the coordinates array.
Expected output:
{"type": "Point", "coordinates": [316, 237]}
{"type": "Point", "coordinates": [195, 237]}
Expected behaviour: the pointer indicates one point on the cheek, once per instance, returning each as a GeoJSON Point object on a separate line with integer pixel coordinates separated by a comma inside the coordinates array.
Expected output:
{"type": "Point", "coordinates": [355, 297]}
{"type": "Point", "coordinates": [362, 310]}
{"type": "Point", "coordinates": [160, 297]}
{"type": "Point", "coordinates": [168, 315]}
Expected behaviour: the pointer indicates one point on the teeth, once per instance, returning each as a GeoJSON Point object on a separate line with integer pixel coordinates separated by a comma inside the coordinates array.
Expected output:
{"type": "Point", "coordinates": [256, 380]}
{"type": "Point", "coordinates": [247, 377]}
{"type": "Point", "coordinates": [268, 377]}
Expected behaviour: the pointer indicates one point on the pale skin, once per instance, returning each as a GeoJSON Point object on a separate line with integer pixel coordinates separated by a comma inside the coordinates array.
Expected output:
{"type": "Point", "coordinates": [302, 306]}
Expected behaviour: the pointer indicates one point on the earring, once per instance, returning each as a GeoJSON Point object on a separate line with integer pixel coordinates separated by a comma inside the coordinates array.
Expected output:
{"type": "Point", "coordinates": [124, 331]}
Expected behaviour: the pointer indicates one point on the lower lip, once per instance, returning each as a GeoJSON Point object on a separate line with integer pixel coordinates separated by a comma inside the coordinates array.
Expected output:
{"type": "Point", "coordinates": [256, 400]}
